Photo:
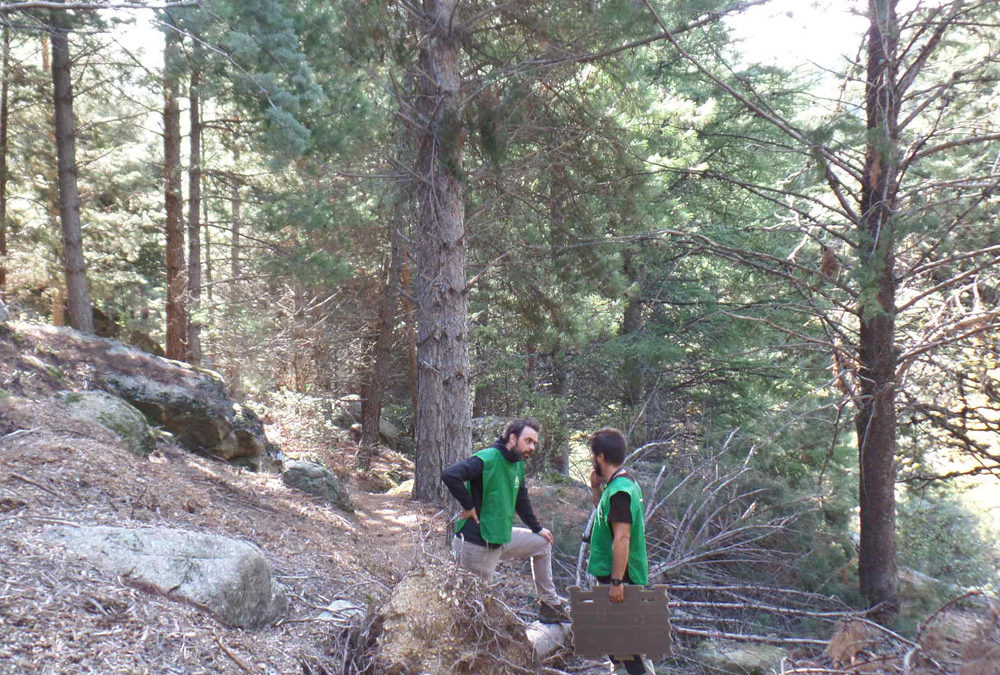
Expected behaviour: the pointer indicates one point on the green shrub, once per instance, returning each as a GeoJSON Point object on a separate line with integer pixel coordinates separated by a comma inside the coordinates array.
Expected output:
{"type": "Point", "coordinates": [939, 536]}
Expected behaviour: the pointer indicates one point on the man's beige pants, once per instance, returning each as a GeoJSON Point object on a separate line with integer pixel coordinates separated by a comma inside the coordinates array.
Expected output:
{"type": "Point", "coordinates": [523, 543]}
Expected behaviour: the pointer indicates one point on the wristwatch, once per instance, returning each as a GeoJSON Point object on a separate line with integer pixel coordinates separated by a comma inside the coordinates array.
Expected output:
{"type": "Point", "coordinates": [615, 581]}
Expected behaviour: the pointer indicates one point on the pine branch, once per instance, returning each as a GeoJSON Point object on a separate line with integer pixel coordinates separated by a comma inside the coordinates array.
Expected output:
{"type": "Point", "coordinates": [765, 113]}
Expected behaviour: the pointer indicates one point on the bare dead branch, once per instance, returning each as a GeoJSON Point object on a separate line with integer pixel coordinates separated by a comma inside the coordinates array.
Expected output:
{"type": "Point", "coordinates": [740, 637]}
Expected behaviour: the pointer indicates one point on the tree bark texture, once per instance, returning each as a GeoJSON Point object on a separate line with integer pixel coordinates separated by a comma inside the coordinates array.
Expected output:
{"type": "Point", "coordinates": [876, 417]}
{"type": "Point", "coordinates": [558, 437]}
{"type": "Point", "coordinates": [207, 239]}
{"type": "Point", "coordinates": [4, 120]}
{"type": "Point", "coordinates": [234, 233]}
{"type": "Point", "coordinates": [631, 367]}
{"type": "Point", "coordinates": [410, 314]}
{"type": "Point", "coordinates": [77, 286]}
{"type": "Point", "coordinates": [443, 419]}
{"type": "Point", "coordinates": [371, 405]}
{"type": "Point", "coordinates": [173, 200]}
{"type": "Point", "coordinates": [194, 225]}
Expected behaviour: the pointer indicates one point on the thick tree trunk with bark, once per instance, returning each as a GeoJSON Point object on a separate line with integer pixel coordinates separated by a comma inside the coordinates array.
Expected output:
{"type": "Point", "coordinates": [443, 424]}
{"type": "Point", "coordinates": [4, 119]}
{"type": "Point", "coordinates": [77, 287]}
{"type": "Point", "coordinates": [194, 226]}
{"type": "Point", "coordinates": [207, 238]}
{"type": "Point", "coordinates": [876, 418]}
{"type": "Point", "coordinates": [410, 314]}
{"type": "Point", "coordinates": [176, 283]}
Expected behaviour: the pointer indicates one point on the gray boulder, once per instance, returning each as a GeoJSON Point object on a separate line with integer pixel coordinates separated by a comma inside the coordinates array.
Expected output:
{"type": "Point", "coordinates": [346, 412]}
{"type": "Point", "coordinates": [317, 480]}
{"type": "Point", "coordinates": [190, 403]}
{"type": "Point", "coordinates": [228, 577]}
{"type": "Point", "coordinates": [113, 414]}
{"type": "Point", "coordinates": [740, 658]}
{"type": "Point", "coordinates": [247, 437]}
{"type": "Point", "coordinates": [193, 405]}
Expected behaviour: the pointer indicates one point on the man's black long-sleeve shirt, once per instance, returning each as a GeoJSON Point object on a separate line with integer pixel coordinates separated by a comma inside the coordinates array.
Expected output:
{"type": "Point", "coordinates": [471, 470]}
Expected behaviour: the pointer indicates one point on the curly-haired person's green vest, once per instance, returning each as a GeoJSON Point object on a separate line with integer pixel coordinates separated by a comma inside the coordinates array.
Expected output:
{"type": "Point", "coordinates": [602, 537]}
{"type": "Point", "coordinates": [502, 480]}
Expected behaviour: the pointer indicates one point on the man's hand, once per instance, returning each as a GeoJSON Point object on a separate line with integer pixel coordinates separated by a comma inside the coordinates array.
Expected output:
{"type": "Point", "coordinates": [469, 513]}
{"type": "Point", "coordinates": [617, 593]}
{"type": "Point", "coordinates": [547, 536]}
{"type": "Point", "coordinates": [595, 480]}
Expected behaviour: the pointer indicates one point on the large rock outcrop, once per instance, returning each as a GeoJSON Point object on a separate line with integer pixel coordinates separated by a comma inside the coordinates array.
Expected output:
{"type": "Point", "coordinates": [191, 403]}
{"type": "Point", "coordinates": [229, 578]}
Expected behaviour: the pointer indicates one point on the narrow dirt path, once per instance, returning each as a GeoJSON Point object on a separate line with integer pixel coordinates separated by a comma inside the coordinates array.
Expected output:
{"type": "Point", "coordinates": [399, 528]}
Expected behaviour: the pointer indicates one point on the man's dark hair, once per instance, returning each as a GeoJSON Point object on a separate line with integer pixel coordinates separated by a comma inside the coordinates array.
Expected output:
{"type": "Point", "coordinates": [517, 426]}
{"type": "Point", "coordinates": [611, 443]}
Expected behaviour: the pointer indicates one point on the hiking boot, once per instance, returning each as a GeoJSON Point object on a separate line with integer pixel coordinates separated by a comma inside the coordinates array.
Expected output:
{"type": "Point", "coordinates": [553, 613]}
{"type": "Point", "coordinates": [623, 668]}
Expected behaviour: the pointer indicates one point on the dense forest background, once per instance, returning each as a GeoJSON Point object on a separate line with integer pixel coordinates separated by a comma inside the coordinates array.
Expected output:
{"type": "Point", "coordinates": [781, 281]}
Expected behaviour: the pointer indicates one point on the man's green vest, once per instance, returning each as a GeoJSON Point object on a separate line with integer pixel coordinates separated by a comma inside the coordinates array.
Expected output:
{"type": "Point", "coordinates": [502, 480]}
{"type": "Point", "coordinates": [602, 537]}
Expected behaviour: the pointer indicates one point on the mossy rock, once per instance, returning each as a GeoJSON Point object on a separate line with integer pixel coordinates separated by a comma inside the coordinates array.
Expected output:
{"type": "Point", "coordinates": [113, 414]}
{"type": "Point", "coordinates": [317, 480]}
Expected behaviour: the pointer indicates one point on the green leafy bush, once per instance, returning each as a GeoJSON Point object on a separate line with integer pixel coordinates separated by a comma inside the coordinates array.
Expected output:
{"type": "Point", "coordinates": [940, 536]}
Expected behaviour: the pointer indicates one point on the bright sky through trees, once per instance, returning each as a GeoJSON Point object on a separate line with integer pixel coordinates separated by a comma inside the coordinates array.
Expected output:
{"type": "Point", "coordinates": [788, 32]}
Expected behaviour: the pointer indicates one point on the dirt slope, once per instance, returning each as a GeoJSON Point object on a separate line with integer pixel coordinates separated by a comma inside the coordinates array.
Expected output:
{"type": "Point", "coordinates": [59, 615]}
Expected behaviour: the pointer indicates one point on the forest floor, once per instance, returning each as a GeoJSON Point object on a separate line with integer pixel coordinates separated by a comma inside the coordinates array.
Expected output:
{"type": "Point", "coordinates": [60, 614]}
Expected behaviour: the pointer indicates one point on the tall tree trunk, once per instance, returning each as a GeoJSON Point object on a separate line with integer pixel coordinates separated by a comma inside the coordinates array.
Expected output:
{"type": "Point", "coordinates": [194, 225]}
{"type": "Point", "coordinates": [207, 238]}
{"type": "Point", "coordinates": [58, 306]}
{"type": "Point", "coordinates": [77, 287]}
{"type": "Point", "coordinates": [50, 193]}
{"type": "Point", "coordinates": [234, 231]}
{"type": "Point", "coordinates": [234, 372]}
{"type": "Point", "coordinates": [876, 418]}
{"type": "Point", "coordinates": [4, 119]}
{"type": "Point", "coordinates": [209, 286]}
{"type": "Point", "coordinates": [556, 443]}
{"type": "Point", "coordinates": [558, 438]}
{"type": "Point", "coordinates": [631, 368]}
{"type": "Point", "coordinates": [371, 403]}
{"type": "Point", "coordinates": [176, 283]}
{"type": "Point", "coordinates": [409, 311]}
{"type": "Point", "coordinates": [443, 425]}
{"type": "Point", "coordinates": [484, 393]}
